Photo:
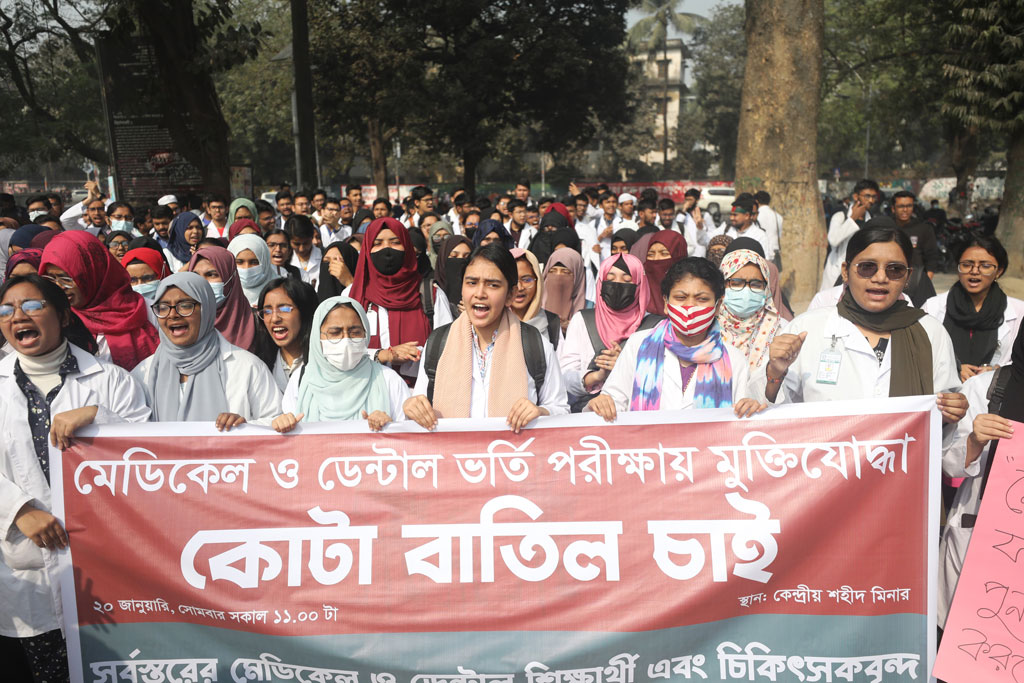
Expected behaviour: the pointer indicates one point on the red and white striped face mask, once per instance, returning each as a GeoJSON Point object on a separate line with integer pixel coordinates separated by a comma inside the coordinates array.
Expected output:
{"type": "Point", "coordinates": [688, 321]}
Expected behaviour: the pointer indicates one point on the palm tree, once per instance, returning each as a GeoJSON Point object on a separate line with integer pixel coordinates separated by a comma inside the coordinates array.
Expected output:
{"type": "Point", "coordinates": [651, 33]}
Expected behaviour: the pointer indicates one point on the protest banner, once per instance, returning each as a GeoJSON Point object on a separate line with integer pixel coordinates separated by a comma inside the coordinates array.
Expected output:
{"type": "Point", "coordinates": [984, 635]}
{"type": "Point", "coordinates": [800, 545]}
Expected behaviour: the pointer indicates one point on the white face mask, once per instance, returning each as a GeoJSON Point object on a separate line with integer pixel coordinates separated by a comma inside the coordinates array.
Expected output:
{"type": "Point", "coordinates": [147, 289]}
{"type": "Point", "coordinates": [122, 224]}
{"type": "Point", "coordinates": [250, 277]}
{"type": "Point", "coordinates": [32, 215]}
{"type": "Point", "coordinates": [218, 292]}
{"type": "Point", "coordinates": [344, 354]}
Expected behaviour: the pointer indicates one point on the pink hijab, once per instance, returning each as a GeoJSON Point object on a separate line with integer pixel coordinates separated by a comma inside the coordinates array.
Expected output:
{"type": "Point", "coordinates": [234, 317]}
{"type": "Point", "coordinates": [616, 326]}
{"type": "Point", "coordinates": [564, 295]}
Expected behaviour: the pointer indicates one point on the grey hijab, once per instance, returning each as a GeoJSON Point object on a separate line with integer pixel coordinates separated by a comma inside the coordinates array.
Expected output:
{"type": "Point", "coordinates": [204, 397]}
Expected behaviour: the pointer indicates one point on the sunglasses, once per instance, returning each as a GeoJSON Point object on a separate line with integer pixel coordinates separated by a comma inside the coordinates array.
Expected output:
{"type": "Point", "coordinates": [893, 271]}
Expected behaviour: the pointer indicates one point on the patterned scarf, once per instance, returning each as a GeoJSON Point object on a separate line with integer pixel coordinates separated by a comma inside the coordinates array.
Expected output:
{"type": "Point", "coordinates": [751, 335]}
{"type": "Point", "coordinates": [713, 375]}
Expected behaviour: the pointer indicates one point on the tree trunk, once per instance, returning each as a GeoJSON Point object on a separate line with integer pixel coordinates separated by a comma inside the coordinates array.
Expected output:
{"type": "Point", "coordinates": [778, 131]}
{"type": "Point", "coordinates": [964, 157]}
{"type": "Point", "coordinates": [1011, 213]}
{"type": "Point", "coordinates": [470, 162]}
{"type": "Point", "coordinates": [378, 159]}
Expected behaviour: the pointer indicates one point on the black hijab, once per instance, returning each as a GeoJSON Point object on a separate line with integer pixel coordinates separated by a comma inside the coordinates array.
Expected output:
{"type": "Point", "coordinates": [975, 334]}
{"type": "Point", "coordinates": [488, 226]}
{"type": "Point", "coordinates": [449, 271]}
{"type": "Point", "coordinates": [328, 285]}
{"type": "Point", "coordinates": [544, 242]}
{"type": "Point", "coordinates": [627, 235]}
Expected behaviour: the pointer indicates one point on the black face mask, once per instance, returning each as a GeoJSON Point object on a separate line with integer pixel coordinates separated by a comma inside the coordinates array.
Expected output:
{"type": "Point", "coordinates": [437, 242]}
{"type": "Point", "coordinates": [618, 295]}
{"type": "Point", "coordinates": [454, 269]}
{"type": "Point", "coordinates": [388, 261]}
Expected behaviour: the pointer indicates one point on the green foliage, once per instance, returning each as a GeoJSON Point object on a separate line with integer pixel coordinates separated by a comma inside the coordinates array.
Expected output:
{"type": "Point", "coordinates": [651, 32]}
{"type": "Point", "coordinates": [986, 68]}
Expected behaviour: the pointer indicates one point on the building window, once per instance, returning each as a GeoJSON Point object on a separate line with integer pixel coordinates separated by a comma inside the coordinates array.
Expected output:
{"type": "Point", "coordinates": [663, 68]}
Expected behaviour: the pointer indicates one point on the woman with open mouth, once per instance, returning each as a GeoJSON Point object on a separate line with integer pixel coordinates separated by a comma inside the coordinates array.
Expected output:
{"type": "Point", "coordinates": [510, 368]}
{"type": "Point", "coordinates": [683, 361]}
{"type": "Point", "coordinates": [100, 292]}
{"type": "Point", "coordinates": [186, 233]}
{"type": "Point", "coordinates": [236, 319]}
{"type": "Point", "coordinates": [341, 381]}
{"type": "Point", "coordinates": [196, 374]}
{"type": "Point", "coordinates": [286, 308]}
{"type": "Point", "coordinates": [51, 386]}
{"type": "Point", "coordinates": [981, 320]}
{"type": "Point", "coordinates": [872, 344]}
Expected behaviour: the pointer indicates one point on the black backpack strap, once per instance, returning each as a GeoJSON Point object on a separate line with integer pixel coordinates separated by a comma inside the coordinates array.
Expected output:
{"type": "Point", "coordinates": [996, 394]}
{"type": "Point", "coordinates": [650, 321]}
{"type": "Point", "coordinates": [590, 320]}
{"type": "Point", "coordinates": [432, 354]}
{"type": "Point", "coordinates": [427, 297]}
{"type": "Point", "coordinates": [554, 327]}
{"type": "Point", "coordinates": [533, 353]}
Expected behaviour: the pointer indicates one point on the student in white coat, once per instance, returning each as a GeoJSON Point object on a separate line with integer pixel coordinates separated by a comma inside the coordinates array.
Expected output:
{"type": "Point", "coordinates": [844, 225]}
{"type": "Point", "coordinates": [682, 362]}
{"type": "Point", "coordinates": [341, 381]}
{"type": "Point", "coordinates": [968, 457]}
{"type": "Point", "coordinates": [286, 307]}
{"type": "Point", "coordinates": [196, 374]}
{"type": "Point", "coordinates": [981, 320]}
{"type": "Point", "coordinates": [49, 387]}
{"type": "Point", "coordinates": [872, 344]}
{"type": "Point", "coordinates": [485, 350]}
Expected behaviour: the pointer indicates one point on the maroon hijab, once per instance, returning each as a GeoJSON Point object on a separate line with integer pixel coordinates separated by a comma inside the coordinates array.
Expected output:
{"type": "Point", "coordinates": [234, 316]}
{"type": "Point", "coordinates": [656, 270]}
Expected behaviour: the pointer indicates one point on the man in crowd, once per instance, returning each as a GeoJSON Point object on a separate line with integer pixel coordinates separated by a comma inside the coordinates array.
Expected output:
{"type": "Point", "coordinates": [265, 216]}
{"type": "Point", "coordinates": [522, 192]}
{"type": "Point", "coordinates": [627, 207]}
{"type": "Point", "coordinates": [301, 203]}
{"type": "Point", "coordinates": [925, 258]}
{"type": "Point", "coordinates": [607, 222]}
{"type": "Point", "coordinates": [771, 222]}
{"type": "Point", "coordinates": [319, 196]}
{"type": "Point", "coordinates": [844, 225]}
{"type": "Point", "coordinates": [422, 202]}
{"type": "Point", "coordinates": [162, 217]}
{"type": "Point", "coordinates": [171, 202]}
{"type": "Point", "coordinates": [37, 205]}
{"type": "Point", "coordinates": [742, 222]}
{"type": "Point", "coordinates": [355, 196]}
{"type": "Point", "coordinates": [332, 229]}
{"type": "Point", "coordinates": [646, 216]}
{"type": "Point", "coordinates": [217, 211]}
{"type": "Point", "coordinates": [285, 208]}
{"type": "Point", "coordinates": [516, 219]}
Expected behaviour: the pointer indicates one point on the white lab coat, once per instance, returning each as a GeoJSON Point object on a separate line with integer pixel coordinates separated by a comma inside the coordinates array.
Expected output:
{"type": "Point", "coordinates": [860, 374]}
{"type": "Point", "coordinates": [309, 271]}
{"type": "Point", "coordinates": [29, 597]}
{"type": "Point", "coordinates": [552, 396]}
{"type": "Point", "coordinates": [840, 229]}
{"type": "Point", "coordinates": [696, 236]}
{"type": "Point", "coordinates": [398, 392]}
{"type": "Point", "coordinates": [329, 237]}
{"type": "Point", "coordinates": [619, 384]}
{"type": "Point", "coordinates": [953, 546]}
{"type": "Point", "coordinates": [936, 307]}
{"type": "Point", "coordinates": [771, 222]}
{"type": "Point", "coordinates": [249, 386]}
{"type": "Point", "coordinates": [281, 377]}
{"type": "Point", "coordinates": [755, 232]}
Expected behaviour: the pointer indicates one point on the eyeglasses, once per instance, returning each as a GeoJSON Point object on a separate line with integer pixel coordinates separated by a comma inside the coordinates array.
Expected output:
{"type": "Point", "coordinates": [184, 308]}
{"type": "Point", "coordinates": [336, 337]}
{"type": "Point", "coordinates": [983, 268]}
{"type": "Point", "coordinates": [118, 244]}
{"type": "Point", "coordinates": [893, 271]}
{"type": "Point", "coordinates": [737, 284]}
{"type": "Point", "coordinates": [28, 307]}
{"type": "Point", "coordinates": [283, 309]}
{"type": "Point", "coordinates": [527, 280]}
{"type": "Point", "coordinates": [61, 281]}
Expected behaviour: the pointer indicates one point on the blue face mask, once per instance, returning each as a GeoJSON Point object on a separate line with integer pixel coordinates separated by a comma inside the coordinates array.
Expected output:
{"type": "Point", "coordinates": [218, 292]}
{"type": "Point", "coordinates": [118, 224]}
{"type": "Point", "coordinates": [147, 289]}
{"type": "Point", "coordinates": [745, 302]}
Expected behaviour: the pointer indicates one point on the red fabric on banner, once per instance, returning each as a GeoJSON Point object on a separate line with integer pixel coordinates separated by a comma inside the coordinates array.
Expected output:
{"type": "Point", "coordinates": [835, 531]}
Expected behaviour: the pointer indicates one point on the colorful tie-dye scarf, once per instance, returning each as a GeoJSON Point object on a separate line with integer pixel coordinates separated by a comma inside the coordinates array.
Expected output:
{"type": "Point", "coordinates": [713, 376]}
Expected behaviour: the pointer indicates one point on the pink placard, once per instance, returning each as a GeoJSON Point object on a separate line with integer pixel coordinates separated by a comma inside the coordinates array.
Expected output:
{"type": "Point", "coordinates": [984, 635]}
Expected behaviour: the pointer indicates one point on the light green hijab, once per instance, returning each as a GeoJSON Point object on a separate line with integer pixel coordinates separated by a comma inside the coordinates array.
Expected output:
{"type": "Point", "coordinates": [247, 203]}
{"type": "Point", "coordinates": [327, 393]}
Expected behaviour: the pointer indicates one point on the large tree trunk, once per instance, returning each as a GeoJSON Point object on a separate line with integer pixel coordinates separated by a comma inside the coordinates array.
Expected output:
{"type": "Point", "coordinates": [964, 158]}
{"type": "Point", "coordinates": [378, 159]}
{"type": "Point", "coordinates": [1011, 213]}
{"type": "Point", "coordinates": [778, 132]}
{"type": "Point", "coordinates": [470, 162]}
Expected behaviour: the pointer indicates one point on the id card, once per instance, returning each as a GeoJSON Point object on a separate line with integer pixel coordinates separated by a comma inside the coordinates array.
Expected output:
{"type": "Point", "coordinates": [828, 366]}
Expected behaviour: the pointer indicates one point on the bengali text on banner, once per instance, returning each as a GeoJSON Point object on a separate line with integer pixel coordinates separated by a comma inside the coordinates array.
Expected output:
{"type": "Point", "coordinates": [798, 545]}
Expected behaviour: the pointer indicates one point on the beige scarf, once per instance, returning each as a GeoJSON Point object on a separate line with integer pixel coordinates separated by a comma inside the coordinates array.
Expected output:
{"type": "Point", "coordinates": [452, 394]}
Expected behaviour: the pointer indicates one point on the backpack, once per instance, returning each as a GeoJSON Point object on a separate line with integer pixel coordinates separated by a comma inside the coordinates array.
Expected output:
{"type": "Point", "coordinates": [554, 327]}
{"type": "Point", "coordinates": [589, 318]}
{"type": "Point", "coordinates": [996, 394]}
{"type": "Point", "coordinates": [533, 353]}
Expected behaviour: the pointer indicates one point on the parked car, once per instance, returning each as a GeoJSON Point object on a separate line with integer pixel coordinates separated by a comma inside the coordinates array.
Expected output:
{"type": "Point", "coordinates": [716, 199]}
